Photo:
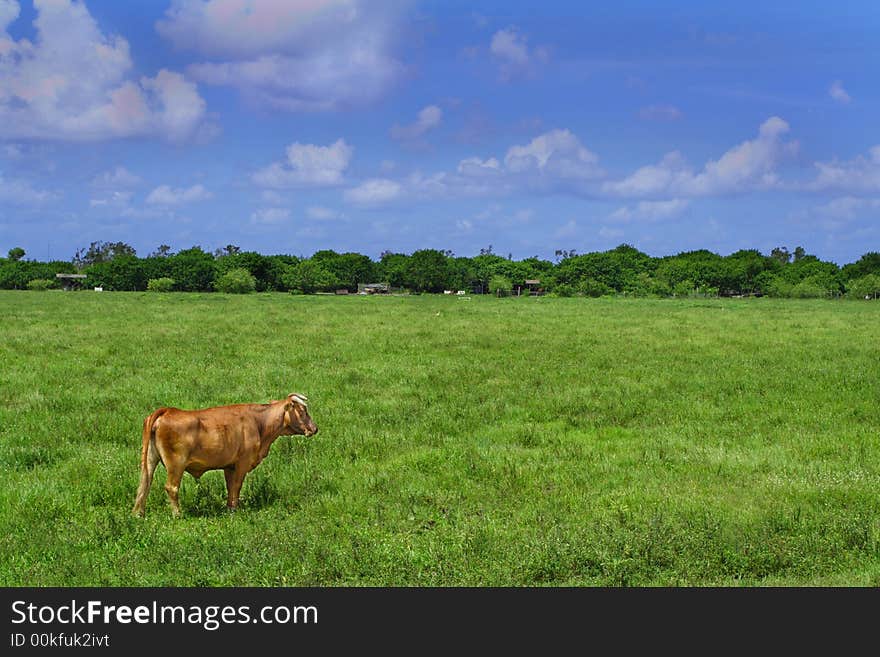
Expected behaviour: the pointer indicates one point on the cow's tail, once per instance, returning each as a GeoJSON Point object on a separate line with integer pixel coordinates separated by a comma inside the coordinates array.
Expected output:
{"type": "Point", "coordinates": [149, 460]}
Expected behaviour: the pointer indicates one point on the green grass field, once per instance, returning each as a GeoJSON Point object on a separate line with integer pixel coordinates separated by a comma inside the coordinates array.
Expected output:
{"type": "Point", "coordinates": [530, 441]}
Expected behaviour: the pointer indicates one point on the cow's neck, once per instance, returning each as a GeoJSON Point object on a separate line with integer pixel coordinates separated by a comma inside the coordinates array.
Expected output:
{"type": "Point", "coordinates": [273, 426]}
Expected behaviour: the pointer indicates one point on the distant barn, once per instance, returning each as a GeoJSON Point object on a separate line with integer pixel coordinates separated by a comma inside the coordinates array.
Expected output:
{"type": "Point", "coordinates": [71, 281]}
{"type": "Point", "coordinates": [373, 288]}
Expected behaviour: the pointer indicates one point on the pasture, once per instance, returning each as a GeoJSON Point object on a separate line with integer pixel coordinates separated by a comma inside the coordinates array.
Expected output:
{"type": "Point", "coordinates": [531, 441]}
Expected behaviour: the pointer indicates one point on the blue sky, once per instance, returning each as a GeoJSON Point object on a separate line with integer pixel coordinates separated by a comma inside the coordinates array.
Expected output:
{"type": "Point", "coordinates": [289, 126]}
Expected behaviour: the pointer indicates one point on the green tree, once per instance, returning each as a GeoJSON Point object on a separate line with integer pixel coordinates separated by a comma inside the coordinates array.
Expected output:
{"type": "Point", "coordinates": [122, 272]}
{"type": "Point", "coordinates": [775, 285]}
{"type": "Point", "coordinates": [427, 271]}
{"type": "Point", "coordinates": [193, 269]}
{"type": "Point", "coordinates": [814, 287]}
{"type": "Point", "coordinates": [15, 274]}
{"type": "Point", "coordinates": [590, 287]}
{"type": "Point", "coordinates": [228, 250]}
{"type": "Point", "coordinates": [236, 281]}
{"type": "Point", "coordinates": [869, 263]}
{"type": "Point", "coordinates": [163, 284]}
{"type": "Point", "coordinates": [462, 274]}
{"type": "Point", "coordinates": [276, 268]}
{"type": "Point", "coordinates": [617, 269]}
{"type": "Point", "coordinates": [258, 265]}
{"type": "Point", "coordinates": [781, 255]}
{"type": "Point", "coordinates": [486, 265]}
{"type": "Point", "coordinates": [392, 268]}
{"type": "Point", "coordinates": [866, 287]}
{"type": "Point", "coordinates": [162, 251]}
{"type": "Point", "coordinates": [308, 277]}
{"type": "Point", "coordinates": [16, 253]}
{"type": "Point", "coordinates": [827, 274]}
{"type": "Point", "coordinates": [740, 270]}
{"type": "Point", "coordinates": [98, 252]}
{"type": "Point", "coordinates": [349, 269]}
{"type": "Point", "coordinates": [40, 284]}
{"type": "Point", "coordinates": [500, 286]}
{"type": "Point", "coordinates": [700, 268]}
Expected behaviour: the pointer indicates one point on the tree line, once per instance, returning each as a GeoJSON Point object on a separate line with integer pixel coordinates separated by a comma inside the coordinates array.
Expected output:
{"type": "Point", "coordinates": [623, 270]}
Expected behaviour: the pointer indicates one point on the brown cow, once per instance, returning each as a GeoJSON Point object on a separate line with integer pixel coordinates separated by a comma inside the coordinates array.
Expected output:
{"type": "Point", "coordinates": [233, 438]}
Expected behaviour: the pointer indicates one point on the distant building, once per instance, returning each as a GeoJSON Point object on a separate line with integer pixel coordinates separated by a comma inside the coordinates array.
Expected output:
{"type": "Point", "coordinates": [373, 288]}
{"type": "Point", "coordinates": [71, 281]}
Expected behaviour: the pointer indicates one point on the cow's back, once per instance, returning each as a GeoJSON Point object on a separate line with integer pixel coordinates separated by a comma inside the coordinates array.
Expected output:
{"type": "Point", "coordinates": [211, 437]}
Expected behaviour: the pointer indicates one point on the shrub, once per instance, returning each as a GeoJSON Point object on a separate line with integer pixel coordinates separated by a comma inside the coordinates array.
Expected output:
{"type": "Point", "coordinates": [778, 287]}
{"type": "Point", "coordinates": [163, 284]}
{"type": "Point", "coordinates": [683, 289]}
{"type": "Point", "coordinates": [864, 287]}
{"type": "Point", "coordinates": [236, 281]}
{"type": "Point", "coordinates": [814, 287]}
{"type": "Point", "coordinates": [40, 284]}
{"type": "Point", "coordinates": [500, 285]}
{"type": "Point", "coordinates": [564, 290]}
{"type": "Point", "coordinates": [308, 277]}
{"type": "Point", "coordinates": [590, 287]}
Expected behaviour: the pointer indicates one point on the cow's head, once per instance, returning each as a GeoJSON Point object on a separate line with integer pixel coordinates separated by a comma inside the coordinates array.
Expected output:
{"type": "Point", "coordinates": [297, 420]}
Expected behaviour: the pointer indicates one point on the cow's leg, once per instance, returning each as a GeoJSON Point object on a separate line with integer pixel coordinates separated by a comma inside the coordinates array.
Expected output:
{"type": "Point", "coordinates": [172, 486]}
{"type": "Point", "coordinates": [148, 467]}
{"type": "Point", "coordinates": [234, 479]}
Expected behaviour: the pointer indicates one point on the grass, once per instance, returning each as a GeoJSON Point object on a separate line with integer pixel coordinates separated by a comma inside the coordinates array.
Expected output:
{"type": "Point", "coordinates": [534, 441]}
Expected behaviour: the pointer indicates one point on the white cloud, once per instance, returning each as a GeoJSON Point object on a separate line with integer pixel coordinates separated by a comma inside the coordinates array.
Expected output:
{"type": "Point", "coordinates": [114, 200]}
{"type": "Point", "coordinates": [653, 179]}
{"type": "Point", "coordinates": [568, 229]}
{"type": "Point", "coordinates": [271, 197]}
{"type": "Point", "coordinates": [307, 165]}
{"type": "Point", "coordinates": [848, 207]}
{"type": "Point", "coordinates": [747, 167]}
{"type": "Point", "coordinates": [435, 185]}
{"type": "Point", "coordinates": [464, 226]}
{"type": "Point", "coordinates": [557, 154]}
{"type": "Point", "coordinates": [511, 50]}
{"type": "Point", "coordinates": [838, 93]}
{"type": "Point", "coordinates": [428, 118]}
{"type": "Point", "coordinates": [9, 11]}
{"type": "Point", "coordinates": [290, 54]}
{"type": "Point", "coordinates": [320, 213]}
{"type": "Point", "coordinates": [553, 161]}
{"type": "Point", "coordinates": [474, 166]}
{"type": "Point", "coordinates": [557, 162]}
{"type": "Point", "coordinates": [270, 216]}
{"type": "Point", "coordinates": [21, 192]}
{"type": "Point", "coordinates": [859, 175]}
{"type": "Point", "coordinates": [650, 210]}
{"type": "Point", "coordinates": [118, 177]}
{"type": "Point", "coordinates": [660, 113]}
{"type": "Point", "coordinates": [374, 191]}
{"type": "Point", "coordinates": [72, 83]}
{"type": "Point", "coordinates": [165, 195]}
{"type": "Point", "coordinates": [510, 45]}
